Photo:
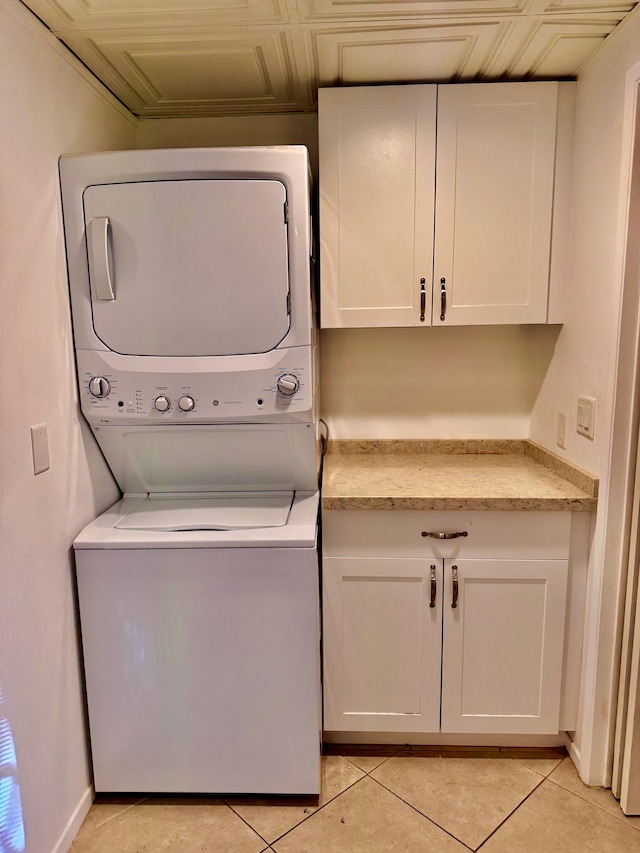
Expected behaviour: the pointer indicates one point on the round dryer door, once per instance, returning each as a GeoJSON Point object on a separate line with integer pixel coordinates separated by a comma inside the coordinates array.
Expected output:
{"type": "Point", "coordinates": [188, 268]}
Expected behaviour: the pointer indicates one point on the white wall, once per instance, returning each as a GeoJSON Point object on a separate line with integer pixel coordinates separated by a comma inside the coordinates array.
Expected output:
{"type": "Point", "coordinates": [287, 129]}
{"type": "Point", "coordinates": [586, 362]}
{"type": "Point", "coordinates": [48, 107]}
{"type": "Point", "coordinates": [459, 382]}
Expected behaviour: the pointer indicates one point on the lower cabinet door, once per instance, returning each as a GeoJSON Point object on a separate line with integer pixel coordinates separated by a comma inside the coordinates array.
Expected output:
{"type": "Point", "coordinates": [502, 645]}
{"type": "Point", "coordinates": [382, 644]}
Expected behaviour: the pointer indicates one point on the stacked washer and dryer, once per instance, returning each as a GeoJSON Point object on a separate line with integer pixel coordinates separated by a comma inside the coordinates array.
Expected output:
{"type": "Point", "coordinates": [198, 591]}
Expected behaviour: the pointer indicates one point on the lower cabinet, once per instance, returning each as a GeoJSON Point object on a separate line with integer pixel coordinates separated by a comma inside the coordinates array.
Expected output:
{"type": "Point", "coordinates": [451, 639]}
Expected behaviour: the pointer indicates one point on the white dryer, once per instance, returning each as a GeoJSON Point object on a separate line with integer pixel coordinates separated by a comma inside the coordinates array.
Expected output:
{"type": "Point", "coordinates": [190, 286]}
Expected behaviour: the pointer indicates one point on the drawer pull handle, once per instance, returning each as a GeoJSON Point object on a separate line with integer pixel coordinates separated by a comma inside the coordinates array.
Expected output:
{"type": "Point", "coordinates": [423, 299]}
{"type": "Point", "coordinates": [454, 572]}
{"type": "Point", "coordinates": [444, 535]}
{"type": "Point", "coordinates": [443, 299]}
{"type": "Point", "coordinates": [432, 603]}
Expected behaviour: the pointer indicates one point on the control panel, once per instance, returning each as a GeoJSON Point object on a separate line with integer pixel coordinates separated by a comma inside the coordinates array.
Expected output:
{"type": "Point", "coordinates": [111, 394]}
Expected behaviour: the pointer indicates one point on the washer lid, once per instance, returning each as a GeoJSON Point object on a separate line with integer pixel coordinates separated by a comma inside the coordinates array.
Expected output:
{"type": "Point", "coordinates": [188, 268]}
{"type": "Point", "coordinates": [219, 512]}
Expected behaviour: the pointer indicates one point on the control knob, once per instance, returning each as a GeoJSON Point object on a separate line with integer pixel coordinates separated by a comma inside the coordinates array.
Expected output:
{"type": "Point", "coordinates": [288, 384]}
{"type": "Point", "coordinates": [186, 403]}
{"type": "Point", "coordinates": [162, 403]}
{"type": "Point", "coordinates": [99, 387]}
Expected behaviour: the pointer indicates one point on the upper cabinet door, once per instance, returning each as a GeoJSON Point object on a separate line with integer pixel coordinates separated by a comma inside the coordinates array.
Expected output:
{"type": "Point", "coordinates": [377, 167]}
{"type": "Point", "coordinates": [494, 200]}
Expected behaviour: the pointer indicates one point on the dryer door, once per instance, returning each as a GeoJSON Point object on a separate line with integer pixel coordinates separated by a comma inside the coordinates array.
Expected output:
{"type": "Point", "coordinates": [188, 268]}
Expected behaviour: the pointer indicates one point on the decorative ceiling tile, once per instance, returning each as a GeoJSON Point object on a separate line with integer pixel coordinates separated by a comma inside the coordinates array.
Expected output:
{"type": "Point", "coordinates": [448, 11]}
{"type": "Point", "coordinates": [549, 47]}
{"type": "Point", "coordinates": [134, 15]}
{"type": "Point", "coordinates": [587, 7]}
{"type": "Point", "coordinates": [208, 73]}
{"type": "Point", "coordinates": [432, 52]}
{"type": "Point", "coordinates": [367, 10]}
{"type": "Point", "coordinates": [235, 57]}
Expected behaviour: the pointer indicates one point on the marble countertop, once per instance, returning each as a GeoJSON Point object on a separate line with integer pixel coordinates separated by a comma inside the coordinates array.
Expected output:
{"type": "Point", "coordinates": [452, 475]}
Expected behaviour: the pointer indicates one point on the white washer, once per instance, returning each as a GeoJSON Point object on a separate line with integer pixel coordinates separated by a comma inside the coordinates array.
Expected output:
{"type": "Point", "coordinates": [201, 651]}
{"type": "Point", "coordinates": [198, 592]}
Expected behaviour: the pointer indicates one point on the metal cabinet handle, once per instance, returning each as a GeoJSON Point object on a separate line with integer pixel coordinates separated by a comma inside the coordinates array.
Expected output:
{"type": "Point", "coordinates": [432, 602]}
{"type": "Point", "coordinates": [99, 254]}
{"type": "Point", "coordinates": [423, 299]}
{"type": "Point", "coordinates": [454, 600]}
{"type": "Point", "coordinates": [444, 535]}
{"type": "Point", "coordinates": [443, 299]}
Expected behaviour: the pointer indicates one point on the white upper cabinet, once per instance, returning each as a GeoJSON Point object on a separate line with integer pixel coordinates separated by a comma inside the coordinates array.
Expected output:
{"type": "Point", "coordinates": [377, 150]}
{"type": "Point", "coordinates": [491, 184]}
{"type": "Point", "coordinates": [494, 199]}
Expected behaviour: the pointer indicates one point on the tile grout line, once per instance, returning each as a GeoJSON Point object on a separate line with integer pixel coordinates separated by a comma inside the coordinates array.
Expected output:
{"type": "Point", "coordinates": [441, 828]}
{"type": "Point", "coordinates": [369, 772]}
{"type": "Point", "coordinates": [311, 814]}
{"type": "Point", "coordinates": [247, 824]}
{"type": "Point", "coordinates": [512, 812]}
{"type": "Point", "coordinates": [622, 817]}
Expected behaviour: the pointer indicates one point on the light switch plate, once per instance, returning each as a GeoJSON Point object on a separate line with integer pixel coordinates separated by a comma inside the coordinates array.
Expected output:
{"type": "Point", "coordinates": [586, 420]}
{"type": "Point", "coordinates": [40, 448]}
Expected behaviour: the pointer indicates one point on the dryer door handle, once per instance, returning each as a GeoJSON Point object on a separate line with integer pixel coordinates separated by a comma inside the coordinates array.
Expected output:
{"type": "Point", "coordinates": [99, 253]}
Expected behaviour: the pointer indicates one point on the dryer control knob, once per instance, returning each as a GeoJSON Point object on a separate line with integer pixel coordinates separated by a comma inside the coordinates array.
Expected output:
{"type": "Point", "coordinates": [186, 403]}
{"type": "Point", "coordinates": [288, 384]}
{"type": "Point", "coordinates": [162, 403]}
{"type": "Point", "coordinates": [99, 387]}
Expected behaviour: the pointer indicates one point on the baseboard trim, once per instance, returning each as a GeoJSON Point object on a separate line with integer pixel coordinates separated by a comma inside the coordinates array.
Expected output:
{"type": "Point", "coordinates": [574, 755]}
{"type": "Point", "coordinates": [437, 739]}
{"type": "Point", "coordinates": [75, 822]}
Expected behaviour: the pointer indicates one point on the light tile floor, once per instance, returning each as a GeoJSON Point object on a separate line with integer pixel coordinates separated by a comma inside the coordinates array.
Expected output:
{"type": "Point", "coordinates": [404, 801]}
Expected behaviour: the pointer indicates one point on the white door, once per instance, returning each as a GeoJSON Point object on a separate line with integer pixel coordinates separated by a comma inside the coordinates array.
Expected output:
{"type": "Point", "coordinates": [502, 645]}
{"type": "Point", "coordinates": [494, 196]}
{"type": "Point", "coordinates": [626, 763]}
{"type": "Point", "coordinates": [188, 268]}
{"type": "Point", "coordinates": [377, 167]}
{"type": "Point", "coordinates": [382, 644]}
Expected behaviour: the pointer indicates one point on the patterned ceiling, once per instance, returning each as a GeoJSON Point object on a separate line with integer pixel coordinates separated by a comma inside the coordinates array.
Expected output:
{"type": "Point", "coordinates": [237, 57]}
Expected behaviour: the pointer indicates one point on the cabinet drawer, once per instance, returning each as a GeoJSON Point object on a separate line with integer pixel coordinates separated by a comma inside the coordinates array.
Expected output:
{"type": "Point", "coordinates": [497, 535]}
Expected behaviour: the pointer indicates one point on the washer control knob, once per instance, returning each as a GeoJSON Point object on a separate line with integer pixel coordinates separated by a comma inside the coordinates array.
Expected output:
{"type": "Point", "coordinates": [288, 384]}
{"type": "Point", "coordinates": [186, 403]}
{"type": "Point", "coordinates": [99, 387]}
{"type": "Point", "coordinates": [162, 403]}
